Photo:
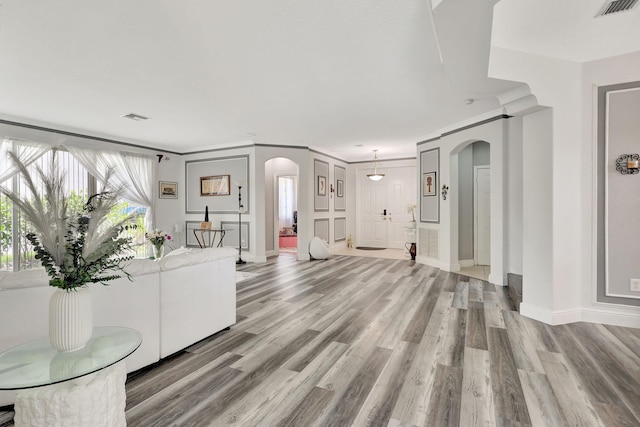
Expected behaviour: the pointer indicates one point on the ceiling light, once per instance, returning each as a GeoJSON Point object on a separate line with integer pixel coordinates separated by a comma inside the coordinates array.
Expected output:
{"type": "Point", "coordinates": [134, 116]}
{"type": "Point", "coordinates": [468, 101]}
{"type": "Point", "coordinates": [375, 176]}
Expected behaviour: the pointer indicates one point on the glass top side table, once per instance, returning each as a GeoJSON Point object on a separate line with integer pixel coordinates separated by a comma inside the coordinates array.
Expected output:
{"type": "Point", "coordinates": [36, 363]}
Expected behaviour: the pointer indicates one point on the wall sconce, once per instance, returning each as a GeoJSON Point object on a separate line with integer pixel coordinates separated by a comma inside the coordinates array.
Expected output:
{"type": "Point", "coordinates": [628, 164]}
{"type": "Point", "coordinates": [331, 190]}
{"type": "Point", "coordinates": [445, 190]}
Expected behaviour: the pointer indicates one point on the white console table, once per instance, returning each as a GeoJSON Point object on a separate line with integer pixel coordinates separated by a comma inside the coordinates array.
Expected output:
{"type": "Point", "coordinates": [80, 388]}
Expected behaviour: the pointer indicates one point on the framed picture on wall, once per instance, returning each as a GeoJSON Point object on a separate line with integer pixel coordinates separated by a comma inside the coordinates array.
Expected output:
{"type": "Point", "coordinates": [340, 188]}
{"type": "Point", "coordinates": [168, 190]}
{"type": "Point", "coordinates": [322, 185]}
{"type": "Point", "coordinates": [429, 184]}
{"type": "Point", "coordinates": [217, 185]}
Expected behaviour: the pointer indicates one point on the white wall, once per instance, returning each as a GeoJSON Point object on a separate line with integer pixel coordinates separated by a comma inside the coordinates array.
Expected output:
{"type": "Point", "coordinates": [332, 214]}
{"type": "Point", "coordinates": [179, 214]}
{"type": "Point", "coordinates": [451, 145]}
{"type": "Point", "coordinates": [465, 204]}
{"type": "Point", "coordinates": [274, 168]}
{"type": "Point", "coordinates": [618, 69]}
{"type": "Point", "coordinates": [515, 190]}
{"type": "Point", "coordinates": [537, 266]}
{"type": "Point", "coordinates": [569, 88]}
{"type": "Point", "coordinates": [301, 157]}
{"type": "Point", "coordinates": [476, 154]}
{"type": "Point", "coordinates": [352, 172]}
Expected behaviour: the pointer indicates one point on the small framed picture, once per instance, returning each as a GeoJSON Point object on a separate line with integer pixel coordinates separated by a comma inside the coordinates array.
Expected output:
{"type": "Point", "coordinates": [429, 184]}
{"type": "Point", "coordinates": [168, 190]}
{"type": "Point", "coordinates": [322, 185]}
{"type": "Point", "coordinates": [217, 185]}
{"type": "Point", "coordinates": [340, 188]}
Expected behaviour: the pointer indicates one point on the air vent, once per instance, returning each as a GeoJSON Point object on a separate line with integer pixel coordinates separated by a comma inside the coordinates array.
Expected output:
{"type": "Point", "coordinates": [617, 6]}
{"type": "Point", "coordinates": [134, 116]}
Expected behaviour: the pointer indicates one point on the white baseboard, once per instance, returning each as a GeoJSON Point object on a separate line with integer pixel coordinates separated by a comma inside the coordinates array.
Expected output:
{"type": "Point", "coordinates": [536, 313]}
{"type": "Point", "coordinates": [496, 279]}
{"type": "Point", "coordinates": [466, 263]}
{"type": "Point", "coordinates": [253, 258]}
{"type": "Point", "coordinates": [303, 257]}
{"type": "Point", "coordinates": [623, 317]}
{"type": "Point", "coordinates": [430, 262]}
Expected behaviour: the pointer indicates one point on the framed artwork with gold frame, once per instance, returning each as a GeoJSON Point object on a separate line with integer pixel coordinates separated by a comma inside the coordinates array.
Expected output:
{"type": "Point", "coordinates": [216, 185]}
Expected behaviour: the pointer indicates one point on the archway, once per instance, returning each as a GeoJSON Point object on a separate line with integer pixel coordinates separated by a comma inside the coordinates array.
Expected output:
{"type": "Point", "coordinates": [281, 205]}
{"type": "Point", "coordinates": [497, 226]}
{"type": "Point", "coordinates": [474, 211]}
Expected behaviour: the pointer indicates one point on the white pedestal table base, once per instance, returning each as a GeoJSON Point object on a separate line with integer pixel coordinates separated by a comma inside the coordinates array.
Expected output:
{"type": "Point", "coordinates": [95, 400]}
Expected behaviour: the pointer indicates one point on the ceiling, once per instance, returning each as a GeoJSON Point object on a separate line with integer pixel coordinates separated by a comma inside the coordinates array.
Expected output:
{"type": "Point", "coordinates": [343, 77]}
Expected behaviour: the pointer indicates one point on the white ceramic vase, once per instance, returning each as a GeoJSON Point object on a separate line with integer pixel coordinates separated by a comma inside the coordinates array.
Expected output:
{"type": "Point", "coordinates": [70, 319]}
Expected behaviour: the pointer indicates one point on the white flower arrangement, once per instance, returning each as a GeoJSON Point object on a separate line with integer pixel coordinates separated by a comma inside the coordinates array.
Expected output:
{"type": "Point", "coordinates": [411, 208]}
{"type": "Point", "coordinates": [157, 237]}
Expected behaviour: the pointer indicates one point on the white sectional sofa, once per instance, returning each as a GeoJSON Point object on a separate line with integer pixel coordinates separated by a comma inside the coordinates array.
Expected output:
{"type": "Point", "coordinates": [188, 295]}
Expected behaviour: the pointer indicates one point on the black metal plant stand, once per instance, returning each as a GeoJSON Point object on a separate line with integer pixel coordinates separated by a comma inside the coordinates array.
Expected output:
{"type": "Point", "coordinates": [240, 207]}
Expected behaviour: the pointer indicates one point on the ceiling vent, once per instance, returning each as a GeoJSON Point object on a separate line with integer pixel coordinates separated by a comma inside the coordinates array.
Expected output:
{"type": "Point", "coordinates": [617, 6]}
{"type": "Point", "coordinates": [138, 117]}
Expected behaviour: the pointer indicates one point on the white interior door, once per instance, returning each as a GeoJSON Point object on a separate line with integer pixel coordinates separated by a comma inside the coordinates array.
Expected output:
{"type": "Point", "coordinates": [391, 195]}
{"type": "Point", "coordinates": [482, 218]}
{"type": "Point", "coordinates": [372, 223]}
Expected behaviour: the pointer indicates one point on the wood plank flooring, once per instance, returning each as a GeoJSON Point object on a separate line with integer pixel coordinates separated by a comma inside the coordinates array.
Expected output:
{"type": "Point", "coordinates": [377, 342]}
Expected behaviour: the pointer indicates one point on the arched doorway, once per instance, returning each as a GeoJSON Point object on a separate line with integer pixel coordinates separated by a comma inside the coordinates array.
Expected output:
{"type": "Point", "coordinates": [281, 206]}
{"type": "Point", "coordinates": [474, 210]}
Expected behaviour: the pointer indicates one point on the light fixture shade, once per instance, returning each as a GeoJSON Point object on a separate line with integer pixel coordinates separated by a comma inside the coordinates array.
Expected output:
{"type": "Point", "coordinates": [375, 176]}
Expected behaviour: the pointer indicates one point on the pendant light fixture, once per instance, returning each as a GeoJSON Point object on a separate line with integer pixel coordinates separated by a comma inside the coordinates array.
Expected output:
{"type": "Point", "coordinates": [375, 176]}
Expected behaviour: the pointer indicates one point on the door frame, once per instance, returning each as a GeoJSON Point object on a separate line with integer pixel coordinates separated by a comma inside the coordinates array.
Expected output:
{"type": "Point", "coordinates": [392, 216]}
{"type": "Point", "coordinates": [276, 208]}
{"type": "Point", "coordinates": [475, 211]}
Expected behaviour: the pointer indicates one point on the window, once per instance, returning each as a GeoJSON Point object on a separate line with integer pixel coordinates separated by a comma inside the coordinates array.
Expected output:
{"type": "Point", "coordinates": [15, 251]}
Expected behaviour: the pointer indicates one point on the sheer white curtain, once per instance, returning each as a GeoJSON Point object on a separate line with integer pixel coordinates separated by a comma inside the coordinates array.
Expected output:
{"type": "Point", "coordinates": [286, 198]}
{"type": "Point", "coordinates": [27, 152]}
{"type": "Point", "coordinates": [135, 171]}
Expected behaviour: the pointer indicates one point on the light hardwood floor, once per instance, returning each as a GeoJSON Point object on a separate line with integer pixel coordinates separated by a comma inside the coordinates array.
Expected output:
{"type": "Point", "coordinates": [378, 342]}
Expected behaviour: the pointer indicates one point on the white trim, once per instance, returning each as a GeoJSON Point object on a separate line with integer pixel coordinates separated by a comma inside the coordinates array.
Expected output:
{"type": "Point", "coordinates": [433, 263]}
{"type": "Point", "coordinates": [536, 313]}
{"type": "Point", "coordinates": [475, 212]}
{"type": "Point", "coordinates": [594, 198]}
{"type": "Point", "coordinates": [272, 253]}
{"type": "Point", "coordinates": [627, 318]}
{"type": "Point", "coordinates": [466, 263]}
{"type": "Point", "coordinates": [606, 199]}
{"type": "Point", "coordinates": [550, 317]}
{"type": "Point", "coordinates": [253, 258]}
{"type": "Point", "coordinates": [566, 316]}
{"type": "Point", "coordinates": [472, 121]}
{"type": "Point", "coordinates": [623, 295]}
{"type": "Point", "coordinates": [496, 280]}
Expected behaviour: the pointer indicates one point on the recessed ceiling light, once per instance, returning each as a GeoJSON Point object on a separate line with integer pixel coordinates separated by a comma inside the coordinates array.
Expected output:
{"type": "Point", "coordinates": [358, 145]}
{"type": "Point", "coordinates": [134, 116]}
